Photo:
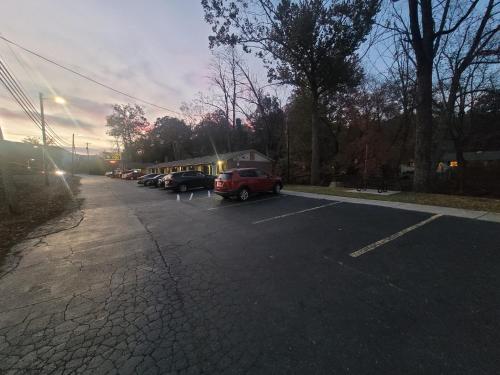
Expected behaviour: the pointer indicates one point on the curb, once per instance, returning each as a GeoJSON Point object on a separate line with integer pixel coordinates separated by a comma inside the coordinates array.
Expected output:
{"type": "Point", "coordinates": [448, 211]}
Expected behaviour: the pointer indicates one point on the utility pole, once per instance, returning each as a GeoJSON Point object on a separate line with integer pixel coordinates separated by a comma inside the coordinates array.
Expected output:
{"type": "Point", "coordinates": [73, 156]}
{"type": "Point", "coordinates": [88, 158]}
{"type": "Point", "coordinates": [6, 180]}
{"type": "Point", "coordinates": [119, 155]}
{"type": "Point", "coordinates": [287, 127]}
{"type": "Point", "coordinates": [44, 139]}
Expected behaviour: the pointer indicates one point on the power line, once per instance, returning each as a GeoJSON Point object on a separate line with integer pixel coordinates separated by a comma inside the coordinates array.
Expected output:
{"type": "Point", "coordinates": [22, 64]}
{"type": "Point", "coordinates": [24, 102]}
{"type": "Point", "coordinates": [25, 106]}
{"type": "Point", "coordinates": [20, 95]}
{"type": "Point", "coordinates": [8, 85]}
{"type": "Point", "coordinates": [30, 104]}
{"type": "Point", "coordinates": [87, 77]}
{"type": "Point", "coordinates": [17, 87]}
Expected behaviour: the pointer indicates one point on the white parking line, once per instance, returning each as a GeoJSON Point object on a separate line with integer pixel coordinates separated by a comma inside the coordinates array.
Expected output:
{"type": "Point", "coordinates": [242, 203]}
{"type": "Point", "coordinates": [392, 237]}
{"type": "Point", "coordinates": [294, 213]}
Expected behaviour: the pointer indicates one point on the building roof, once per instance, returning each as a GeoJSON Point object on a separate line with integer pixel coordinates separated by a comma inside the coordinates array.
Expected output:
{"type": "Point", "coordinates": [208, 159]}
{"type": "Point", "coordinates": [474, 156]}
{"type": "Point", "coordinates": [135, 165]}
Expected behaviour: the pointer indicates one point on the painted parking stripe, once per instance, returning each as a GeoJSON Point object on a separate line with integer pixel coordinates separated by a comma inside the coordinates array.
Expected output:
{"type": "Point", "coordinates": [392, 237]}
{"type": "Point", "coordinates": [243, 203]}
{"type": "Point", "coordinates": [294, 213]}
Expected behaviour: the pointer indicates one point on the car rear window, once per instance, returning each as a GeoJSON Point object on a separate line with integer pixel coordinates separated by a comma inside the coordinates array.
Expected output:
{"type": "Point", "coordinates": [248, 173]}
{"type": "Point", "coordinates": [225, 176]}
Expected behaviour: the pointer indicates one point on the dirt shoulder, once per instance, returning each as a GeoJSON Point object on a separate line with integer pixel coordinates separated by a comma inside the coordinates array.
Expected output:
{"type": "Point", "coordinates": [37, 204]}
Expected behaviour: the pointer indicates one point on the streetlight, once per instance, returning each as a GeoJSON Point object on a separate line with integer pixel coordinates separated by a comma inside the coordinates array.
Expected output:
{"type": "Point", "coordinates": [59, 100]}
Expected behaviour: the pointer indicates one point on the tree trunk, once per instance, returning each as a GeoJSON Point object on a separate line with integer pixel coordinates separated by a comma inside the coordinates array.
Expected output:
{"type": "Point", "coordinates": [315, 149]}
{"type": "Point", "coordinates": [461, 166]}
{"type": "Point", "coordinates": [422, 40]}
{"type": "Point", "coordinates": [228, 140]}
{"type": "Point", "coordinates": [406, 129]}
{"type": "Point", "coordinates": [423, 134]}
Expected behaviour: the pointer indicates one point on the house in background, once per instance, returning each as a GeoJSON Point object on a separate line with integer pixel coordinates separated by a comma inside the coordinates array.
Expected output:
{"type": "Point", "coordinates": [215, 164]}
{"type": "Point", "coordinates": [474, 158]}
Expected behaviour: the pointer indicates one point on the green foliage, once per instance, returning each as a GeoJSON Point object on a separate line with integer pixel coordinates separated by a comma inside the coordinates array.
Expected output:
{"type": "Point", "coordinates": [212, 133]}
{"type": "Point", "coordinates": [126, 124]}
{"type": "Point", "coordinates": [308, 44]}
{"type": "Point", "coordinates": [268, 124]}
{"type": "Point", "coordinates": [36, 141]}
{"type": "Point", "coordinates": [169, 138]}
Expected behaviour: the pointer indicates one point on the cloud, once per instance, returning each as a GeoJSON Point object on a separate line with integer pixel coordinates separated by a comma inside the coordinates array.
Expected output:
{"type": "Point", "coordinates": [89, 106]}
{"type": "Point", "coordinates": [158, 53]}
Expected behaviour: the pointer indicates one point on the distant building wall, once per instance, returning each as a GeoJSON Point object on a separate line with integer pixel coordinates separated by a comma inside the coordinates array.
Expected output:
{"type": "Point", "coordinates": [214, 164]}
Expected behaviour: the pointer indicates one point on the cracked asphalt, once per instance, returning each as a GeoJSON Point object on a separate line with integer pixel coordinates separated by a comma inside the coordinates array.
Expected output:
{"type": "Point", "coordinates": [138, 282]}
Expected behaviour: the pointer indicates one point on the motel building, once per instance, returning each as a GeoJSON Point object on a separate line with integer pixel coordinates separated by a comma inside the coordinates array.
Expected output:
{"type": "Point", "coordinates": [215, 164]}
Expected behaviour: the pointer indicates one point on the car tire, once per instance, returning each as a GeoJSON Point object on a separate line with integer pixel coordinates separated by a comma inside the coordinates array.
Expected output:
{"type": "Point", "coordinates": [277, 189]}
{"type": "Point", "coordinates": [183, 188]}
{"type": "Point", "coordinates": [243, 194]}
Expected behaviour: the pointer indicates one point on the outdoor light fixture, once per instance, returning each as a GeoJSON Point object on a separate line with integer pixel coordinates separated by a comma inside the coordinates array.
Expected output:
{"type": "Point", "coordinates": [59, 172]}
{"type": "Point", "coordinates": [59, 100]}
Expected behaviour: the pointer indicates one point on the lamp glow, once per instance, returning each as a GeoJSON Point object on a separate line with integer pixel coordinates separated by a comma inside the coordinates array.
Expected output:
{"type": "Point", "coordinates": [60, 100]}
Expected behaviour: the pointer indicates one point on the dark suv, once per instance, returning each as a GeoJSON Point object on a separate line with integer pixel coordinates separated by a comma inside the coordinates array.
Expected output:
{"type": "Point", "coordinates": [141, 179]}
{"type": "Point", "coordinates": [242, 182]}
{"type": "Point", "coordinates": [183, 181]}
{"type": "Point", "coordinates": [152, 181]}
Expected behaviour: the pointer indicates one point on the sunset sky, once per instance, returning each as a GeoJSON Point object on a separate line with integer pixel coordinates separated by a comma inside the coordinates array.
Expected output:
{"type": "Point", "coordinates": [156, 50]}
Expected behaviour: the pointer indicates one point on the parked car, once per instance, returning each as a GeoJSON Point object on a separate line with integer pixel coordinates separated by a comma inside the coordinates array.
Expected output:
{"type": "Point", "coordinates": [243, 182]}
{"type": "Point", "coordinates": [183, 181]}
{"type": "Point", "coordinates": [134, 175]}
{"type": "Point", "coordinates": [108, 174]}
{"type": "Point", "coordinates": [125, 174]}
{"type": "Point", "coordinates": [141, 179]}
{"type": "Point", "coordinates": [153, 180]}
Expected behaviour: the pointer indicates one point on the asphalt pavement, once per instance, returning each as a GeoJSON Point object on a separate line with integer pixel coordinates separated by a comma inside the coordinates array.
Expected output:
{"type": "Point", "coordinates": [150, 282]}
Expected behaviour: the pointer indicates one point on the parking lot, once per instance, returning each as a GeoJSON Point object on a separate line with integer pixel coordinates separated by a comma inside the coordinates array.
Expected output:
{"type": "Point", "coordinates": [157, 282]}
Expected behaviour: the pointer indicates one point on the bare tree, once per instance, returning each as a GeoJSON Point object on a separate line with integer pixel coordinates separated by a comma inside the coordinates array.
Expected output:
{"type": "Point", "coordinates": [402, 77]}
{"type": "Point", "coordinates": [311, 45]}
{"type": "Point", "coordinates": [419, 28]}
{"type": "Point", "coordinates": [225, 76]}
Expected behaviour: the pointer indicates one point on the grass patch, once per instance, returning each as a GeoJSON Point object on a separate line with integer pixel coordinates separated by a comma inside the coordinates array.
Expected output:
{"type": "Point", "coordinates": [37, 204]}
{"type": "Point", "coordinates": [455, 201]}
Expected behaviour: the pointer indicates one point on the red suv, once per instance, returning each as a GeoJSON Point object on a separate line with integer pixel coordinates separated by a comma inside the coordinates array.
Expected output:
{"type": "Point", "coordinates": [242, 182]}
